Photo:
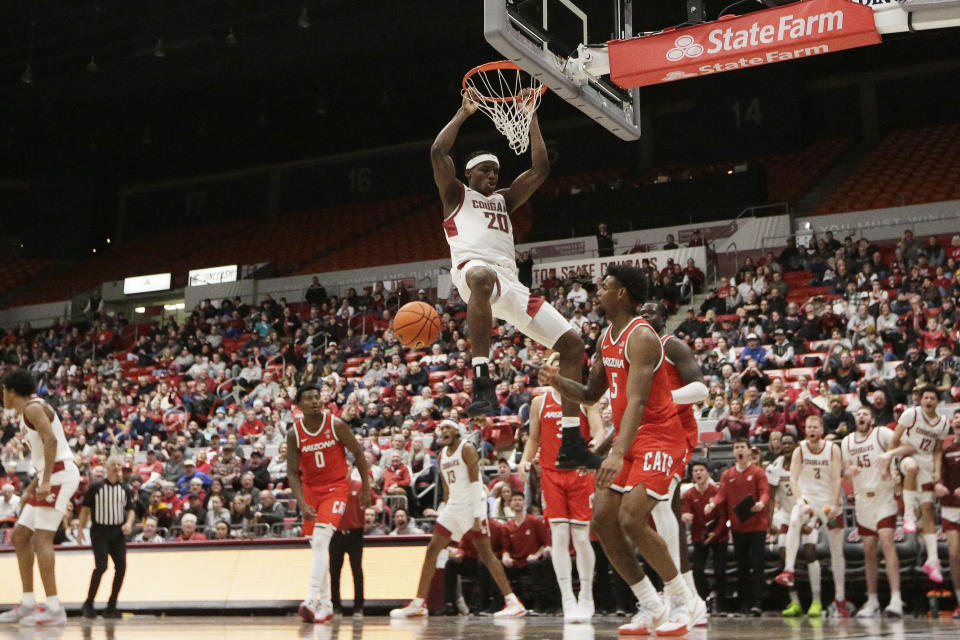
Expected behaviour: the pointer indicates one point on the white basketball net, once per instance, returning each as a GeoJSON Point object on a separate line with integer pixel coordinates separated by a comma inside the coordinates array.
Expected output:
{"type": "Point", "coordinates": [519, 96]}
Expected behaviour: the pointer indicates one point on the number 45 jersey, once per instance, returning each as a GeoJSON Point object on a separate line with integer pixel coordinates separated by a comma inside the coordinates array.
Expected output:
{"type": "Point", "coordinates": [864, 453]}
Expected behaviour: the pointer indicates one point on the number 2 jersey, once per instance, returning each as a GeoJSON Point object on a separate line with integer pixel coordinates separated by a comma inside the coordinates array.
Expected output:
{"type": "Point", "coordinates": [480, 229]}
{"type": "Point", "coordinates": [659, 428]}
{"type": "Point", "coordinates": [323, 457]}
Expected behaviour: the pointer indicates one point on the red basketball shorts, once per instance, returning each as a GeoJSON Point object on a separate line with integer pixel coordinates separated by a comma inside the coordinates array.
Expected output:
{"type": "Point", "coordinates": [567, 496]}
{"type": "Point", "coordinates": [329, 501]}
{"type": "Point", "coordinates": [656, 460]}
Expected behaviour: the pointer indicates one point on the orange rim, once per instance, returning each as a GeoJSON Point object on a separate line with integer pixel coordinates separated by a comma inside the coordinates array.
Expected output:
{"type": "Point", "coordinates": [493, 66]}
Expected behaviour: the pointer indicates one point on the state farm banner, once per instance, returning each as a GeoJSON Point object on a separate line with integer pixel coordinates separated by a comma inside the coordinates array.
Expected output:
{"type": "Point", "coordinates": [794, 31]}
{"type": "Point", "coordinates": [595, 267]}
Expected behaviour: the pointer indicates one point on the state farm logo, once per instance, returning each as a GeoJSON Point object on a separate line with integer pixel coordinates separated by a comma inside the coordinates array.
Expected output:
{"type": "Point", "coordinates": [677, 75]}
{"type": "Point", "coordinates": [684, 47]}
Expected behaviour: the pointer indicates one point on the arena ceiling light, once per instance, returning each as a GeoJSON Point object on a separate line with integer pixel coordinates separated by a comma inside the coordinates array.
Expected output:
{"type": "Point", "coordinates": [159, 51]}
{"type": "Point", "coordinates": [304, 20]}
{"type": "Point", "coordinates": [92, 66]}
{"type": "Point", "coordinates": [231, 39]}
{"type": "Point", "coordinates": [27, 76]}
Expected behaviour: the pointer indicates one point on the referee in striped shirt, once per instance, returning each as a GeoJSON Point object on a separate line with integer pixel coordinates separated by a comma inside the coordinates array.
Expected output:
{"type": "Point", "coordinates": [110, 503]}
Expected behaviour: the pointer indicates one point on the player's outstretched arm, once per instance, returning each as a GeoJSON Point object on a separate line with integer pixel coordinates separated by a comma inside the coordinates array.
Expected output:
{"type": "Point", "coordinates": [472, 459]}
{"type": "Point", "coordinates": [345, 435]}
{"type": "Point", "coordinates": [691, 374]}
{"type": "Point", "coordinates": [836, 474]}
{"type": "Point", "coordinates": [444, 170]}
{"type": "Point", "coordinates": [587, 393]}
{"type": "Point", "coordinates": [530, 180]}
{"type": "Point", "coordinates": [898, 447]}
{"type": "Point", "coordinates": [595, 420]}
{"type": "Point", "coordinates": [533, 438]}
{"type": "Point", "coordinates": [796, 466]}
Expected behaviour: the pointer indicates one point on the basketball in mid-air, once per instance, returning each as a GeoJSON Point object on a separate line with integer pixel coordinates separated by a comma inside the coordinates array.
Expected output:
{"type": "Point", "coordinates": [417, 325]}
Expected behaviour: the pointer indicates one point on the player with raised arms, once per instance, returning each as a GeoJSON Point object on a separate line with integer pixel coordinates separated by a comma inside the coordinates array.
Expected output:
{"type": "Point", "coordinates": [317, 473]}
{"type": "Point", "coordinates": [464, 509]}
{"type": "Point", "coordinates": [478, 228]}
{"type": "Point", "coordinates": [44, 500]}
{"type": "Point", "coordinates": [816, 467]}
{"type": "Point", "coordinates": [567, 499]}
{"type": "Point", "coordinates": [918, 441]}
{"type": "Point", "coordinates": [647, 454]}
{"type": "Point", "coordinates": [687, 389]}
{"type": "Point", "coordinates": [875, 507]}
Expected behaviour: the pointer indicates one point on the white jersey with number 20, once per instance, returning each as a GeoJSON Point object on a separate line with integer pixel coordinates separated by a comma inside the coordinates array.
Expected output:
{"type": "Point", "coordinates": [480, 229]}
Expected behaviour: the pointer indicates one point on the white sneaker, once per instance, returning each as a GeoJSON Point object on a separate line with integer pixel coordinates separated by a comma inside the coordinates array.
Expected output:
{"type": "Point", "coordinates": [869, 610]}
{"type": "Point", "coordinates": [679, 621]}
{"type": "Point", "coordinates": [909, 522]}
{"type": "Point", "coordinates": [698, 611]}
{"type": "Point", "coordinates": [43, 617]}
{"type": "Point", "coordinates": [513, 609]}
{"type": "Point", "coordinates": [586, 606]}
{"type": "Point", "coordinates": [644, 622]}
{"type": "Point", "coordinates": [410, 611]}
{"type": "Point", "coordinates": [15, 615]}
{"type": "Point", "coordinates": [324, 613]}
{"type": "Point", "coordinates": [894, 610]}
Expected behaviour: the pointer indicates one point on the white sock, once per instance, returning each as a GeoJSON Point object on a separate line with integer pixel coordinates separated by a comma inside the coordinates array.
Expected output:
{"type": "Point", "coordinates": [28, 599]}
{"type": "Point", "coordinates": [570, 423]}
{"type": "Point", "coordinates": [646, 594]}
{"type": "Point", "coordinates": [930, 542]}
{"type": "Point", "coordinates": [837, 564]}
{"type": "Point", "coordinates": [479, 360]}
{"type": "Point", "coordinates": [895, 597]}
{"type": "Point", "coordinates": [691, 584]}
{"type": "Point", "coordinates": [560, 557]}
{"type": "Point", "coordinates": [511, 598]}
{"type": "Point", "coordinates": [666, 523]}
{"type": "Point", "coordinates": [319, 588]}
{"type": "Point", "coordinates": [677, 588]}
{"type": "Point", "coordinates": [416, 602]}
{"type": "Point", "coordinates": [911, 501]}
{"type": "Point", "coordinates": [53, 604]}
{"type": "Point", "coordinates": [586, 560]}
{"type": "Point", "coordinates": [813, 570]}
{"type": "Point", "coordinates": [872, 599]}
{"type": "Point", "coordinates": [794, 598]}
{"type": "Point", "coordinates": [793, 540]}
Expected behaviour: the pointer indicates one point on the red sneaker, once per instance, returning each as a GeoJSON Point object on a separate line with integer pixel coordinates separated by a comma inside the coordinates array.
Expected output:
{"type": "Point", "coordinates": [785, 578]}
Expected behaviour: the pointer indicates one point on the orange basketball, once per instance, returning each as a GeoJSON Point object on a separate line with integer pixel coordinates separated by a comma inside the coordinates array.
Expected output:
{"type": "Point", "coordinates": [417, 325]}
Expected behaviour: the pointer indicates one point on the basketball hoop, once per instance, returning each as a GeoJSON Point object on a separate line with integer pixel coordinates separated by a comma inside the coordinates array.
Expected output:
{"type": "Point", "coordinates": [508, 95]}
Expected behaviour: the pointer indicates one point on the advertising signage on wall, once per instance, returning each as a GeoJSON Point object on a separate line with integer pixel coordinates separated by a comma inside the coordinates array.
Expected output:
{"type": "Point", "coordinates": [146, 284]}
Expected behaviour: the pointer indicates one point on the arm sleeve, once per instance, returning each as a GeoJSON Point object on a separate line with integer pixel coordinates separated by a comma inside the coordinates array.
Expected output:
{"type": "Point", "coordinates": [691, 393]}
{"type": "Point", "coordinates": [479, 504]}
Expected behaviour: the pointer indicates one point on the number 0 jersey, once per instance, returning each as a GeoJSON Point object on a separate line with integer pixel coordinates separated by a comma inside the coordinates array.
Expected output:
{"type": "Point", "coordinates": [865, 454]}
{"type": "Point", "coordinates": [480, 229]}
{"type": "Point", "coordinates": [323, 457]}
{"type": "Point", "coordinates": [660, 411]}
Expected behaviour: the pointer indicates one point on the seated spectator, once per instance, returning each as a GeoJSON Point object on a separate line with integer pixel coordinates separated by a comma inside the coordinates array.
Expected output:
{"type": "Point", "coordinates": [221, 530]}
{"type": "Point", "coordinates": [735, 424]}
{"type": "Point", "coordinates": [752, 402]}
{"type": "Point", "coordinates": [241, 513]}
{"type": "Point", "coordinates": [753, 350]}
{"type": "Point", "coordinates": [396, 477]}
{"type": "Point", "coordinates": [188, 530]}
{"type": "Point", "coordinates": [251, 427]}
{"type": "Point", "coordinates": [150, 533]}
{"type": "Point", "coordinates": [216, 512]}
{"type": "Point", "coordinates": [753, 377]}
{"type": "Point", "coordinates": [371, 525]}
{"type": "Point", "coordinates": [526, 557]}
{"type": "Point", "coordinates": [270, 511]}
{"type": "Point", "coordinates": [194, 505]}
{"type": "Point", "coordinates": [770, 420]}
{"type": "Point", "coordinates": [505, 476]}
{"type": "Point", "coordinates": [837, 422]}
{"type": "Point", "coordinates": [259, 469]}
{"type": "Point", "coordinates": [879, 371]}
{"type": "Point", "coordinates": [402, 526]}
{"type": "Point", "coordinates": [781, 354]}
{"type": "Point", "coordinates": [935, 376]}
{"type": "Point", "coordinates": [9, 506]}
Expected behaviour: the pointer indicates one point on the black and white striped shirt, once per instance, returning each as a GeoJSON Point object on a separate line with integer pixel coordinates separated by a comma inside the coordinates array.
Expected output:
{"type": "Point", "coordinates": [108, 502]}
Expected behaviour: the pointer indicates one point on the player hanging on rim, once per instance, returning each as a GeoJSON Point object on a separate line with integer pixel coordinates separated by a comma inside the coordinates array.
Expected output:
{"type": "Point", "coordinates": [781, 506]}
{"type": "Point", "coordinates": [317, 474]}
{"type": "Point", "coordinates": [477, 225]}
{"type": "Point", "coordinates": [918, 441]}
{"type": "Point", "coordinates": [875, 507]}
{"type": "Point", "coordinates": [464, 509]}
{"type": "Point", "coordinates": [647, 454]}
{"type": "Point", "coordinates": [567, 499]}
{"type": "Point", "coordinates": [45, 500]}
{"type": "Point", "coordinates": [815, 472]}
{"type": "Point", "coordinates": [687, 388]}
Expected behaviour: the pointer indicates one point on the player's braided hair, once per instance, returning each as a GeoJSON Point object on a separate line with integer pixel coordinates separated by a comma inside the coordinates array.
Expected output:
{"type": "Point", "coordinates": [631, 278]}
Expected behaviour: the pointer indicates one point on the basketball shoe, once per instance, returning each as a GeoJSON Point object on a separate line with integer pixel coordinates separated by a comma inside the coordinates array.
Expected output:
{"type": "Point", "coordinates": [644, 622]}
{"type": "Point", "coordinates": [15, 615]}
{"type": "Point", "coordinates": [573, 452]}
{"type": "Point", "coordinates": [512, 608]}
{"type": "Point", "coordinates": [43, 617]}
{"type": "Point", "coordinates": [485, 391]}
{"type": "Point", "coordinates": [412, 610]}
{"type": "Point", "coordinates": [315, 612]}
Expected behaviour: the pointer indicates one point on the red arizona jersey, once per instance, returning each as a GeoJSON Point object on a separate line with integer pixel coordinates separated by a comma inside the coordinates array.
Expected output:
{"type": "Point", "coordinates": [684, 411]}
{"type": "Point", "coordinates": [660, 408]}
{"type": "Point", "coordinates": [323, 458]}
{"type": "Point", "coordinates": [550, 430]}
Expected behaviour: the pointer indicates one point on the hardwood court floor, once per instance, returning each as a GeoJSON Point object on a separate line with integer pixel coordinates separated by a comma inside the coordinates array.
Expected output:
{"type": "Point", "coordinates": [471, 628]}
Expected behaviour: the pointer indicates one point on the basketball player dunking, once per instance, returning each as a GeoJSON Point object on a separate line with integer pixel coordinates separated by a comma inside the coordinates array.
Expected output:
{"type": "Point", "coordinates": [477, 225]}
{"type": "Point", "coordinates": [648, 452]}
{"type": "Point", "coordinates": [687, 388]}
{"type": "Point", "coordinates": [317, 473]}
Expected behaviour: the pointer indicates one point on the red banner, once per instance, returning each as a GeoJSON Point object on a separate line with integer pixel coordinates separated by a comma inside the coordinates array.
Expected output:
{"type": "Point", "coordinates": [790, 32]}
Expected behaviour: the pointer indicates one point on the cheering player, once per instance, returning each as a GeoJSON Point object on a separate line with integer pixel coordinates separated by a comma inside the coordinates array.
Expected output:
{"type": "Point", "coordinates": [317, 473]}
{"type": "Point", "coordinates": [567, 498]}
{"type": "Point", "coordinates": [875, 507]}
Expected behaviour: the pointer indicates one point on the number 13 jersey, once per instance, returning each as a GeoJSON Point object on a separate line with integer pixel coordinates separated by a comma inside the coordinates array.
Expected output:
{"type": "Point", "coordinates": [323, 457]}
{"type": "Point", "coordinates": [480, 229]}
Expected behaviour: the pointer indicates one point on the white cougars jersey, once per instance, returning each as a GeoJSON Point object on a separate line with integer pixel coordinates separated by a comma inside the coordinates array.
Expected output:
{"type": "Point", "coordinates": [816, 480]}
{"type": "Point", "coordinates": [922, 432]}
{"type": "Point", "coordinates": [779, 478]}
{"type": "Point", "coordinates": [480, 229]}
{"type": "Point", "coordinates": [36, 444]}
{"type": "Point", "coordinates": [454, 471]}
{"type": "Point", "coordinates": [865, 454]}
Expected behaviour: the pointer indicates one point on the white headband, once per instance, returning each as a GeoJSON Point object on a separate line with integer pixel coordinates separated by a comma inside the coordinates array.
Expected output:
{"type": "Point", "coordinates": [485, 157]}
